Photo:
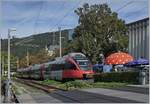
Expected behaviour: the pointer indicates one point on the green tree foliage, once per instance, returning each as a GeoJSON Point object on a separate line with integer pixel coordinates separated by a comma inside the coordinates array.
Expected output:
{"type": "Point", "coordinates": [40, 57]}
{"type": "Point", "coordinates": [13, 61]}
{"type": "Point", "coordinates": [99, 31]}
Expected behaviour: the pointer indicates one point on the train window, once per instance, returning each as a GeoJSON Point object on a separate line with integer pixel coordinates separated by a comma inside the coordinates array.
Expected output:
{"type": "Point", "coordinates": [79, 57]}
{"type": "Point", "coordinates": [36, 71]}
{"type": "Point", "coordinates": [57, 67]}
{"type": "Point", "coordinates": [69, 65]}
{"type": "Point", "coordinates": [47, 71]}
{"type": "Point", "coordinates": [84, 64]}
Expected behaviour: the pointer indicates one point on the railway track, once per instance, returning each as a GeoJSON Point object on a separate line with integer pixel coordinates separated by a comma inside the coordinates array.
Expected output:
{"type": "Point", "coordinates": [46, 88]}
{"type": "Point", "coordinates": [33, 83]}
{"type": "Point", "coordinates": [75, 96]}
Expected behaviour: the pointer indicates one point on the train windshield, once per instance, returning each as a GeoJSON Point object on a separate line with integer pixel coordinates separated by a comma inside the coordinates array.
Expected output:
{"type": "Point", "coordinates": [84, 64]}
{"type": "Point", "coordinates": [82, 61]}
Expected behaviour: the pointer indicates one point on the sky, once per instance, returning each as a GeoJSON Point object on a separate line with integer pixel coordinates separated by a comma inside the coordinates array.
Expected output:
{"type": "Point", "coordinates": [38, 16]}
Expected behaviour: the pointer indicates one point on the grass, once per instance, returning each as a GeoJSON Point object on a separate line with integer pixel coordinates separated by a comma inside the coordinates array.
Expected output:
{"type": "Point", "coordinates": [47, 81]}
{"type": "Point", "coordinates": [18, 90]}
{"type": "Point", "coordinates": [79, 84]}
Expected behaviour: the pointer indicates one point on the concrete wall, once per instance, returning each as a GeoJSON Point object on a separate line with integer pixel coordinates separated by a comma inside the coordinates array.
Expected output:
{"type": "Point", "coordinates": [138, 33]}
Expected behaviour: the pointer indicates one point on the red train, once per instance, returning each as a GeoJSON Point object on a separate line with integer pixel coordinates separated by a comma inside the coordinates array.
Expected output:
{"type": "Point", "coordinates": [71, 66]}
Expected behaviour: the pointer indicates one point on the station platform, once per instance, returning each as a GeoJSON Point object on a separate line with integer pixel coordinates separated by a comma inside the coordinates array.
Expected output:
{"type": "Point", "coordinates": [140, 86]}
{"type": "Point", "coordinates": [27, 94]}
{"type": "Point", "coordinates": [92, 95]}
{"type": "Point", "coordinates": [121, 93]}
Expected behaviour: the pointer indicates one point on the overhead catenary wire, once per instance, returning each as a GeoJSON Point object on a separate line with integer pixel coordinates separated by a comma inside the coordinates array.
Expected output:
{"type": "Point", "coordinates": [38, 15]}
{"type": "Point", "coordinates": [25, 20]}
{"type": "Point", "coordinates": [35, 24]}
{"type": "Point", "coordinates": [66, 15]}
{"type": "Point", "coordinates": [137, 12]}
{"type": "Point", "coordinates": [1, 14]}
{"type": "Point", "coordinates": [128, 3]}
{"type": "Point", "coordinates": [60, 7]}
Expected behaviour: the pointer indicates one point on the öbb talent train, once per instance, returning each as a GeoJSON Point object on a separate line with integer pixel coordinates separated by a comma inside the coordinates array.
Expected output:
{"type": "Point", "coordinates": [71, 66]}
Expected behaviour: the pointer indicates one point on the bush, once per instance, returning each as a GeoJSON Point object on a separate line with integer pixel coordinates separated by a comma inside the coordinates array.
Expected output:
{"type": "Point", "coordinates": [127, 77]}
{"type": "Point", "coordinates": [77, 84]}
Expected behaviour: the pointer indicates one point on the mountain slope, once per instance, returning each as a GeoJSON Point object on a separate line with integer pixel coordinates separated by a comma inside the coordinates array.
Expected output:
{"type": "Point", "coordinates": [34, 43]}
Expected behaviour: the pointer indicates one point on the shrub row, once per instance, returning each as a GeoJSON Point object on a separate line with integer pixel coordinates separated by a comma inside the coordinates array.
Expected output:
{"type": "Point", "coordinates": [77, 84]}
{"type": "Point", "coordinates": [126, 77]}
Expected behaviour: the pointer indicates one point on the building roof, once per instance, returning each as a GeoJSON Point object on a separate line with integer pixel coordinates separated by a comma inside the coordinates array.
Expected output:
{"type": "Point", "coordinates": [137, 21]}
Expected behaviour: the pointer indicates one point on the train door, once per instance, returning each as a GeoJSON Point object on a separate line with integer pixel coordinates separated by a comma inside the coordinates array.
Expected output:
{"type": "Point", "coordinates": [42, 70]}
{"type": "Point", "coordinates": [47, 71]}
{"type": "Point", "coordinates": [29, 73]}
{"type": "Point", "coordinates": [56, 72]}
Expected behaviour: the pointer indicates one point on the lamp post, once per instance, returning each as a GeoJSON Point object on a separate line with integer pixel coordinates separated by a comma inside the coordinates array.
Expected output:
{"type": "Point", "coordinates": [27, 57]}
{"type": "Point", "coordinates": [0, 54]}
{"type": "Point", "coordinates": [8, 95]}
{"type": "Point", "coordinates": [0, 62]}
{"type": "Point", "coordinates": [9, 31]}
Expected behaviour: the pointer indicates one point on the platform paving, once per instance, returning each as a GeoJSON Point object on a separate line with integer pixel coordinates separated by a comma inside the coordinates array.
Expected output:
{"type": "Point", "coordinates": [120, 94]}
{"type": "Point", "coordinates": [78, 96]}
{"type": "Point", "coordinates": [33, 95]}
{"type": "Point", "coordinates": [135, 88]}
{"type": "Point", "coordinates": [140, 86]}
{"type": "Point", "coordinates": [94, 95]}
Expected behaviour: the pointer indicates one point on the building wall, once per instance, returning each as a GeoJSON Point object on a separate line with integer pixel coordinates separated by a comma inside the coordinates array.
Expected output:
{"type": "Point", "coordinates": [138, 33]}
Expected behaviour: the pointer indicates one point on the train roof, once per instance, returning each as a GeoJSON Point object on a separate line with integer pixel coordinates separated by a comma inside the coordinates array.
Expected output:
{"type": "Point", "coordinates": [36, 67]}
{"type": "Point", "coordinates": [76, 53]}
{"type": "Point", "coordinates": [24, 69]}
{"type": "Point", "coordinates": [48, 63]}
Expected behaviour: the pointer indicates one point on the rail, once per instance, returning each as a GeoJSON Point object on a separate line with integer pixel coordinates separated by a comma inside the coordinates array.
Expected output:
{"type": "Point", "coordinates": [46, 88]}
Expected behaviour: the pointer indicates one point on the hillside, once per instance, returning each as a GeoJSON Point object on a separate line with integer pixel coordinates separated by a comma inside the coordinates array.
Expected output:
{"type": "Point", "coordinates": [34, 43]}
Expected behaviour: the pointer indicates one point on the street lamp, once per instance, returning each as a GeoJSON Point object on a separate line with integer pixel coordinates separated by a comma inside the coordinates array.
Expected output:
{"type": "Point", "coordinates": [9, 31]}
{"type": "Point", "coordinates": [0, 61]}
{"type": "Point", "coordinates": [0, 53]}
{"type": "Point", "coordinates": [8, 81]}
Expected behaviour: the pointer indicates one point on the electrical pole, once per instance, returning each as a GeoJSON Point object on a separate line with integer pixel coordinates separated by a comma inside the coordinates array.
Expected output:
{"type": "Point", "coordinates": [0, 54]}
{"type": "Point", "coordinates": [3, 65]}
{"type": "Point", "coordinates": [0, 61]}
{"type": "Point", "coordinates": [60, 41]}
{"type": "Point", "coordinates": [53, 38]}
{"type": "Point", "coordinates": [27, 58]}
{"type": "Point", "coordinates": [8, 96]}
{"type": "Point", "coordinates": [17, 63]}
{"type": "Point", "coordinates": [9, 54]}
{"type": "Point", "coordinates": [8, 87]}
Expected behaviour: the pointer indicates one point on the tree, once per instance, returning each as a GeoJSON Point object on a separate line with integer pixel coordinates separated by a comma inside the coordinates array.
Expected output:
{"type": "Point", "coordinates": [99, 31]}
{"type": "Point", "coordinates": [13, 60]}
{"type": "Point", "coordinates": [38, 58]}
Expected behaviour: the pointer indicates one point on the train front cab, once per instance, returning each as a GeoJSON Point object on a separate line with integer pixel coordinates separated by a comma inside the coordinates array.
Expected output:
{"type": "Point", "coordinates": [86, 67]}
{"type": "Point", "coordinates": [74, 71]}
{"type": "Point", "coordinates": [71, 71]}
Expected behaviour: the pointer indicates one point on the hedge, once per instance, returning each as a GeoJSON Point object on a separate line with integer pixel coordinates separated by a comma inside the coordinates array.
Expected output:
{"type": "Point", "coordinates": [125, 77]}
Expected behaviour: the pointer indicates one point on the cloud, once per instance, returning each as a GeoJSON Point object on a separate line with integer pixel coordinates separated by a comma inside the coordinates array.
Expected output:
{"type": "Point", "coordinates": [28, 18]}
